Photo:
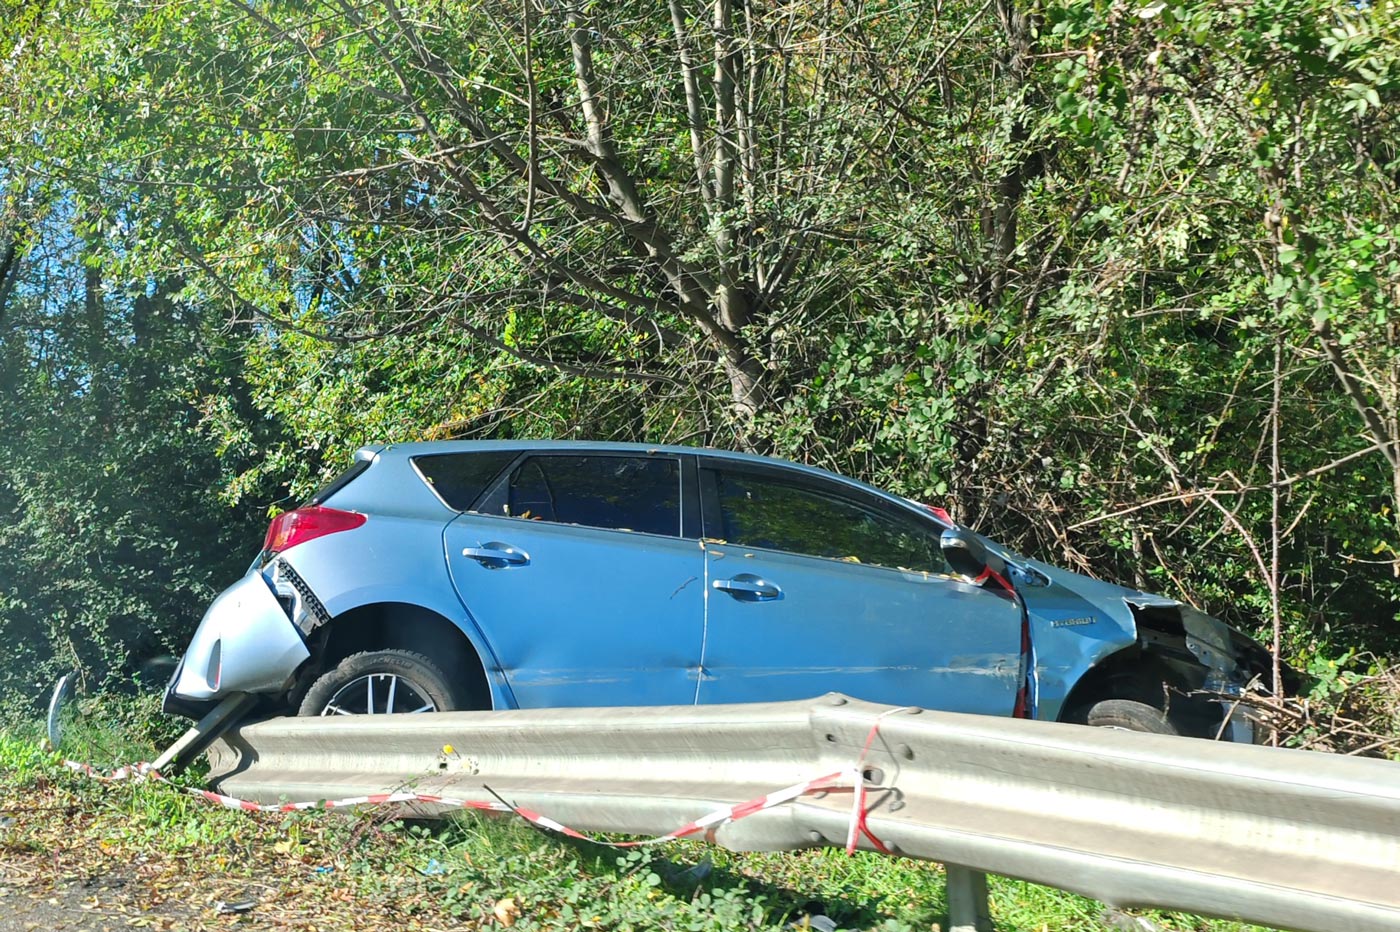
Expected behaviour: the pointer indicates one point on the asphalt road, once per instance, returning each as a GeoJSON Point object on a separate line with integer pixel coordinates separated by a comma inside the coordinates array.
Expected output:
{"type": "Point", "coordinates": [34, 897]}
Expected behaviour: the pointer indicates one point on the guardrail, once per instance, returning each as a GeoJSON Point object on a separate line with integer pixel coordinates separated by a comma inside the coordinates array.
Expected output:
{"type": "Point", "coordinates": [1291, 839]}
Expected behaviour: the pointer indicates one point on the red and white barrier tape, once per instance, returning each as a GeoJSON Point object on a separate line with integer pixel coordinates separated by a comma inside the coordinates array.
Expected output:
{"type": "Point", "coordinates": [851, 778]}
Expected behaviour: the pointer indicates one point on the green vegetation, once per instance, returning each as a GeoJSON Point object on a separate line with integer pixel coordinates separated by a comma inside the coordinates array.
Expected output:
{"type": "Point", "coordinates": [1116, 283]}
{"type": "Point", "coordinates": [151, 856]}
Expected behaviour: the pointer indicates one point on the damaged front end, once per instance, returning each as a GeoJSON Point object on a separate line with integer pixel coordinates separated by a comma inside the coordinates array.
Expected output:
{"type": "Point", "coordinates": [1212, 662]}
{"type": "Point", "coordinates": [251, 640]}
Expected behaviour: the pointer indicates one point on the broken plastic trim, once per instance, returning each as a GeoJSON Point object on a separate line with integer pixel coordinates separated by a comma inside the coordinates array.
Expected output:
{"type": "Point", "coordinates": [309, 614]}
{"type": "Point", "coordinates": [1210, 640]}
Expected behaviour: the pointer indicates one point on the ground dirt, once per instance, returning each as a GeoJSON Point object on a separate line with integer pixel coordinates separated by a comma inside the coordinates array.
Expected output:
{"type": "Point", "coordinates": [38, 893]}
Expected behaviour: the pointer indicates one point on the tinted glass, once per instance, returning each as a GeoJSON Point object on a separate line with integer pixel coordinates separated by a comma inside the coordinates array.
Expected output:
{"type": "Point", "coordinates": [338, 483]}
{"type": "Point", "coordinates": [760, 511]}
{"type": "Point", "coordinates": [619, 492]}
{"type": "Point", "coordinates": [460, 478]}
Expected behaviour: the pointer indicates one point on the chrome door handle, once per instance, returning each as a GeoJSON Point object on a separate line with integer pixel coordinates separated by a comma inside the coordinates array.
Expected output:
{"type": "Point", "coordinates": [747, 587]}
{"type": "Point", "coordinates": [494, 555]}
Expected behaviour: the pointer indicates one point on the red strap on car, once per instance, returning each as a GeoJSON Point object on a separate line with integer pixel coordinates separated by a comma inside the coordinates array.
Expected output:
{"type": "Point", "coordinates": [941, 515]}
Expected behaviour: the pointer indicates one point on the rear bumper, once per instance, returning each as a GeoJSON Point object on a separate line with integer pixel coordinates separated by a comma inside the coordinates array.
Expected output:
{"type": "Point", "coordinates": [247, 642]}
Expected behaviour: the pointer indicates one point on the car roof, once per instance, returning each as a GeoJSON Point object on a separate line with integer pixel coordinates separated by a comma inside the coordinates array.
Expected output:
{"type": "Point", "coordinates": [427, 447]}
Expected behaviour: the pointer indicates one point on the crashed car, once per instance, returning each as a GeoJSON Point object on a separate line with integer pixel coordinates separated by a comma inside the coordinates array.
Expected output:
{"type": "Point", "coordinates": [497, 575]}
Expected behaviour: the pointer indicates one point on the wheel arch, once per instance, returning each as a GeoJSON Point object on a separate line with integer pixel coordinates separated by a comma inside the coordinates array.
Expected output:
{"type": "Point", "coordinates": [1128, 673]}
{"type": "Point", "coordinates": [404, 626]}
{"type": "Point", "coordinates": [1146, 673]}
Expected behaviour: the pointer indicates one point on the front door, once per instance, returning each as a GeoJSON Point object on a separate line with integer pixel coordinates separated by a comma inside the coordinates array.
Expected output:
{"type": "Point", "coordinates": [813, 587]}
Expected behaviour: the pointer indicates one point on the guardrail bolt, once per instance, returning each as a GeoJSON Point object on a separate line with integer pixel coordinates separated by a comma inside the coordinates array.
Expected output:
{"type": "Point", "coordinates": [814, 836]}
{"type": "Point", "coordinates": [837, 700]}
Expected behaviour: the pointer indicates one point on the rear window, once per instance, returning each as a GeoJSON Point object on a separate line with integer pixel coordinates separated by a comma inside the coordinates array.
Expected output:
{"type": "Point", "coordinates": [339, 482]}
{"type": "Point", "coordinates": [460, 478]}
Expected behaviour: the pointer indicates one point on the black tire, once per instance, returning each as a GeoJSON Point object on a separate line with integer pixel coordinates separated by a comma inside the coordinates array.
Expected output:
{"type": "Point", "coordinates": [1127, 715]}
{"type": "Point", "coordinates": [414, 682]}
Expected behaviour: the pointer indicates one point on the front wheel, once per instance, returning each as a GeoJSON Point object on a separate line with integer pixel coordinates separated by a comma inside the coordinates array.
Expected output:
{"type": "Point", "coordinates": [1127, 715]}
{"type": "Point", "coordinates": [379, 682]}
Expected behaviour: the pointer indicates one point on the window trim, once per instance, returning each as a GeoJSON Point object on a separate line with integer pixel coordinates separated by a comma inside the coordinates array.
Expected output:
{"type": "Point", "coordinates": [432, 487]}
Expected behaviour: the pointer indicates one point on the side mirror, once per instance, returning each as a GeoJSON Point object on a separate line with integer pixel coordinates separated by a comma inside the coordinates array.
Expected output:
{"type": "Point", "coordinates": [967, 555]}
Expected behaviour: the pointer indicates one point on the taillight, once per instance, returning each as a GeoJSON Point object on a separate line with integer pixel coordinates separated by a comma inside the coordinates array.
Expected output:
{"type": "Point", "coordinates": [302, 524]}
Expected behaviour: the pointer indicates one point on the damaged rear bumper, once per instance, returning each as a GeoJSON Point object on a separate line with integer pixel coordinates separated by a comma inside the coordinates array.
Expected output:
{"type": "Point", "coordinates": [247, 642]}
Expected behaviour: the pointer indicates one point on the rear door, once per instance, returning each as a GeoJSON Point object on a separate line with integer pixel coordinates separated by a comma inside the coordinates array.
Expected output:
{"type": "Point", "coordinates": [584, 571]}
{"type": "Point", "coordinates": [813, 585]}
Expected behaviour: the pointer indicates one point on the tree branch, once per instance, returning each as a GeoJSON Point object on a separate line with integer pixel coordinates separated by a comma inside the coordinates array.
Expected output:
{"type": "Point", "coordinates": [694, 106]}
{"type": "Point", "coordinates": [1352, 389]}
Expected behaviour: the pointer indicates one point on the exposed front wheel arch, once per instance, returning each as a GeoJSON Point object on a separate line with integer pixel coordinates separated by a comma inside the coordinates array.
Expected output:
{"type": "Point", "coordinates": [1140, 690]}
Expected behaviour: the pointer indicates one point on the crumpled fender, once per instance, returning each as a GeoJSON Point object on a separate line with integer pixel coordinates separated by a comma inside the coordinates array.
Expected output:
{"type": "Point", "coordinates": [1219, 647]}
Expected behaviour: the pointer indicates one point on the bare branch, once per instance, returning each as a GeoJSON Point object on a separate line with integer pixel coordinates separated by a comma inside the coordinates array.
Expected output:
{"type": "Point", "coordinates": [1352, 389]}
{"type": "Point", "coordinates": [694, 106]}
{"type": "Point", "coordinates": [567, 368]}
{"type": "Point", "coordinates": [1193, 494]}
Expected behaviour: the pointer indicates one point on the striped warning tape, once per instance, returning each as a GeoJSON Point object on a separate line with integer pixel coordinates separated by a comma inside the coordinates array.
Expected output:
{"type": "Point", "coordinates": [851, 778]}
{"type": "Point", "coordinates": [840, 780]}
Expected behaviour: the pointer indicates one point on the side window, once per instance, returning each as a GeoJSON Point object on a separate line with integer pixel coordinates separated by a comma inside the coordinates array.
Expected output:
{"type": "Point", "coordinates": [763, 511]}
{"type": "Point", "coordinates": [460, 478]}
{"type": "Point", "coordinates": [626, 493]}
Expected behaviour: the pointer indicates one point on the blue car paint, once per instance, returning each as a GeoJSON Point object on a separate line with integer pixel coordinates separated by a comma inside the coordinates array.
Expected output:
{"type": "Point", "coordinates": [244, 644]}
{"type": "Point", "coordinates": [1084, 620]}
{"type": "Point", "coordinates": [593, 617]}
{"type": "Point", "coordinates": [553, 636]}
{"type": "Point", "coordinates": [396, 557]}
{"type": "Point", "coordinates": [883, 634]}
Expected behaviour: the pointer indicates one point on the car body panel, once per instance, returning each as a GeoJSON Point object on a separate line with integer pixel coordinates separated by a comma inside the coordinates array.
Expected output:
{"type": "Point", "coordinates": [393, 560]}
{"type": "Point", "coordinates": [245, 643]}
{"type": "Point", "coordinates": [608, 617]}
{"type": "Point", "coordinates": [1076, 623]}
{"type": "Point", "coordinates": [881, 634]}
{"type": "Point", "coordinates": [592, 617]}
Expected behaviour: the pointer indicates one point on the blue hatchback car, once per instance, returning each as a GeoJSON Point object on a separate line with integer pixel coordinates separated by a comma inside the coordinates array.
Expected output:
{"type": "Point", "coordinates": [496, 575]}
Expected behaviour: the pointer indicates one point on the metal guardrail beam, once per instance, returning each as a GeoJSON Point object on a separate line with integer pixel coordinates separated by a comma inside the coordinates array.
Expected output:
{"type": "Point", "coordinates": [1290, 839]}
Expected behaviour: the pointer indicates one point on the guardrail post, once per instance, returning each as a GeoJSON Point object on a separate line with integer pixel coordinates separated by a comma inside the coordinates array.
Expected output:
{"type": "Point", "coordinates": [968, 910]}
{"type": "Point", "coordinates": [213, 724]}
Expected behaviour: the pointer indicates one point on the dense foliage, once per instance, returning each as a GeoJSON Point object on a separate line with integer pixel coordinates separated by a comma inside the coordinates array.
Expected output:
{"type": "Point", "coordinates": [1119, 284]}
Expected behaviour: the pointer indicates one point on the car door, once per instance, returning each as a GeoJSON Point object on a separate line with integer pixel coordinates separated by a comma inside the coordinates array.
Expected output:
{"type": "Point", "coordinates": [813, 586]}
{"type": "Point", "coordinates": [584, 575]}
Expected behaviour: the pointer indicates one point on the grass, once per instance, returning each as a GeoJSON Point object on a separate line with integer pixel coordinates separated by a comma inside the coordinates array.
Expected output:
{"type": "Point", "coordinates": [150, 856]}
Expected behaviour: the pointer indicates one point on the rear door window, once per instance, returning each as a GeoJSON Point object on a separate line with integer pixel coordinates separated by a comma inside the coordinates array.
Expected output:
{"type": "Point", "coordinates": [460, 478]}
{"type": "Point", "coordinates": [775, 513]}
{"type": "Point", "coordinates": [625, 493]}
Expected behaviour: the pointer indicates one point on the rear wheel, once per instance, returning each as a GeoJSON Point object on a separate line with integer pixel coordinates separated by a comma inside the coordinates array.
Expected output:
{"type": "Point", "coordinates": [1127, 715]}
{"type": "Point", "coordinates": [380, 682]}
